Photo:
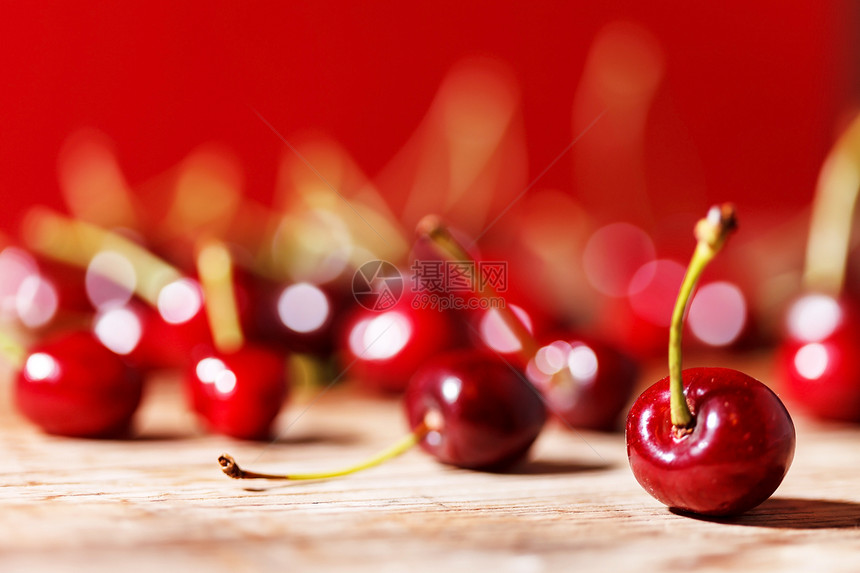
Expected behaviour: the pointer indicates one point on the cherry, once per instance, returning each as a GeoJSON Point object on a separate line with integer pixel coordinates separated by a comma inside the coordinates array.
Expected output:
{"type": "Point", "coordinates": [74, 386]}
{"type": "Point", "coordinates": [710, 441]}
{"type": "Point", "coordinates": [818, 358]}
{"type": "Point", "coordinates": [587, 383]}
{"type": "Point", "coordinates": [382, 349]}
{"type": "Point", "coordinates": [239, 393]}
{"type": "Point", "coordinates": [730, 460]}
{"type": "Point", "coordinates": [483, 413]}
{"type": "Point", "coordinates": [237, 387]}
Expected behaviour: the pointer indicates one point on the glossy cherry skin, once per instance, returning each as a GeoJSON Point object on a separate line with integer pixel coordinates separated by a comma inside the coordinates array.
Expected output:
{"type": "Point", "coordinates": [818, 359]}
{"type": "Point", "coordinates": [383, 349]}
{"type": "Point", "coordinates": [490, 414]}
{"type": "Point", "coordinates": [74, 386]}
{"type": "Point", "coordinates": [241, 393]}
{"type": "Point", "coordinates": [586, 383]}
{"type": "Point", "coordinates": [736, 455]}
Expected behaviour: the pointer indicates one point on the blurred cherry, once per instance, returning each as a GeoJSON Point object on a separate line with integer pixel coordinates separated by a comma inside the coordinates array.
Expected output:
{"type": "Point", "coordinates": [818, 358]}
{"type": "Point", "coordinates": [237, 387]}
{"type": "Point", "coordinates": [239, 393]}
{"type": "Point", "coordinates": [73, 386]}
{"type": "Point", "coordinates": [382, 349]}
{"type": "Point", "coordinates": [587, 383]}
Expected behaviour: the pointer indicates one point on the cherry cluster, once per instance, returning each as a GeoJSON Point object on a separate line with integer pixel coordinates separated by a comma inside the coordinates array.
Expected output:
{"type": "Point", "coordinates": [101, 306]}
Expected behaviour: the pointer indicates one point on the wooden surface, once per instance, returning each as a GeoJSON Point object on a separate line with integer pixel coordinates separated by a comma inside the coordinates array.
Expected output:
{"type": "Point", "coordinates": [160, 502]}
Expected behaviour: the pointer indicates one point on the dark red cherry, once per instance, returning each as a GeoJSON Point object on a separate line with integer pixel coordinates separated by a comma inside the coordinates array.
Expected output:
{"type": "Point", "coordinates": [734, 456]}
{"type": "Point", "coordinates": [586, 383]}
{"type": "Point", "coordinates": [483, 414]}
{"type": "Point", "coordinates": [819, 360]}
{"type": "Point", "coordinates": [74, 386]}
{"type": "Point", "coordinates": [239, 394]}
{"type": "Point", "coordinates": [382, 349]}
{"type": "Point", "coordinates": [300, 317]}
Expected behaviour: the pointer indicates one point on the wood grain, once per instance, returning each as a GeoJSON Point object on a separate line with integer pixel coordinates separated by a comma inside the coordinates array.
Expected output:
{"type": "Point", "coordinates": [161, 502]}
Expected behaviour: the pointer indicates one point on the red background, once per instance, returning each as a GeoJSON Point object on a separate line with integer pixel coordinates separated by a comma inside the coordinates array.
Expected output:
{"type": "Point", "coordinates": [757, 89]}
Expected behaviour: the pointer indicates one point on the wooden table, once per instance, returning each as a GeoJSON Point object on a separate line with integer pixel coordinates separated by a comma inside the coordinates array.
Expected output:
{"type": "Point", "coordinates": [161, 503]}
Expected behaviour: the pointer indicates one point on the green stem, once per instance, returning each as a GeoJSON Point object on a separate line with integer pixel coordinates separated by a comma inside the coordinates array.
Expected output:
{"type": "Point", "coordinates": [711, 233]}
{"type": "Point", "coordinates": [445, 243]}
{"type": "Point", "coordinates": [215, 269]}
{"type": "Point", "coordinates": [76, 243]}
{"type": "Point", "coordinates": [832, 214]}
{"type": "Point", "coordinates": [232, 469]}
{"type": "Point", "coordinates": [12, 350]}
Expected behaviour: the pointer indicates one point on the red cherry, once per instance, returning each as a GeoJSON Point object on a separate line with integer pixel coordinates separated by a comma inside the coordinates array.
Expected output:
{"type": "Point", "coordinates": [383, 349]}
{"type": "Point", "coordinates": [483, 414]}
{"type": "Point", "coordinates": [587, 383]}
{"type": "Point", "coordinates": [818, 359]}
{"type": "Point", "coordinates": [240, 393]}
{"type": "Point", "coordinates": [712, 441]}
{"type": "Point", "coordinates": [74, 386]}
{"type": "Point", "coordinates": [732, 459]}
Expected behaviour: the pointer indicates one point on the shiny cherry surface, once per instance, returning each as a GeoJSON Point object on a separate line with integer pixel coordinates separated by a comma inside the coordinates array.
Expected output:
{"type": "Point", "coordinates": [483, 413]}
{"type": "Point", "coordinates": [586, 383]}
{"type": "Point", "coordinates": [819, 359]}
{"type": "Point", "coordinates": [383, 349]}
{"type": "Point", "coordinates": [735, 456]}
{"type": "Point", "coordinates": [74, 386]}
{"type": "Point", "coordinates": [239, 394]}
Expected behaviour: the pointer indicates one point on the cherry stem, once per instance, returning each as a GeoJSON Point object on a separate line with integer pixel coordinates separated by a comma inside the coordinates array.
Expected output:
{"type": "Point", "coordinates": [832, 214]}
{"type": "Point", "coordinates": [711, 233]}
{"type": "Point", "coordinates": [12, 350]}
{"type": "Point", "coordinates": [215, 269]}
{"type": "Point", "coordinates": [76, 243]}
{"type": "Point", "coordinates": [441, 238]}
{"type": "Point", "coordinates": [232, 469]}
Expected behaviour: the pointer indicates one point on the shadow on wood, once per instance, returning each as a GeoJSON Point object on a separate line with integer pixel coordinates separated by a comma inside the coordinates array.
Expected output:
{"type": "Point", "coordinates": [794, 513]}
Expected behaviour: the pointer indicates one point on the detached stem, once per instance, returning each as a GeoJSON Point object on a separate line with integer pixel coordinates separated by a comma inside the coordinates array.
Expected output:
{"type": "Point", "coordinates": [232, 469]}
{"type": "Point", "coordinates": [432, 228]}
{"type": "Point", "coordinates": [711, 233]}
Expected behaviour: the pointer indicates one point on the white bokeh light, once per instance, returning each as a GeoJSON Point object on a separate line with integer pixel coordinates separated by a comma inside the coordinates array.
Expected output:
{"type": "Point", "coordinates": [37, 301]}
{"type": "Point", "coordinates": [119, 329]}
{"type": "Point", "coordinates": [718, 313]}
{"type": "Point", "coordinates": [180, 300]}
{"type": "Point", "coordinates": [380, 337]}
{"type": "Point", "coordinates": [814, 317]}
{"type": "Point", "coordinates": [496, 334]}
{"type": "Point", "coordinates": [811, 361]}
{"type": "Point", "coordinates": [41, 366]}
{"type": "Point", "coordinates": [303, 307]}
{"type": "Point", "coordinates": [110, 279]}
